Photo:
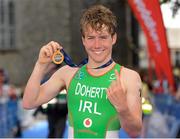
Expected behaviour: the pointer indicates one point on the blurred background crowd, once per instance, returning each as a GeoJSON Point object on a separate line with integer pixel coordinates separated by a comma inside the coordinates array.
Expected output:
{"type": "Point", "coordinates": [25, 26]}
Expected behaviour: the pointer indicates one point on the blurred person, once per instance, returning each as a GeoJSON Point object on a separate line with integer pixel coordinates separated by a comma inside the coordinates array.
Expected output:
{"type": "Point", "coordinates": [9, 97]}
{"type": "Point", "coordinates": [158, 87]}
{"type": "Point", "coordinates": [176, 72]}
{"type": "Point", "coordinates": [177, 96]}
{"type": "Point", "coordinates": [177, 83]}
{"type": "Point", "coordinates": [7, 90]}
{"type": "Point", "coordinates": [4, 87]}
{"type": "Point", "coordinates": [103, 96]}
{"type": "Point", "coordinates": [147, 108]}
{"type": "Point", "coordinates": [146, 86]}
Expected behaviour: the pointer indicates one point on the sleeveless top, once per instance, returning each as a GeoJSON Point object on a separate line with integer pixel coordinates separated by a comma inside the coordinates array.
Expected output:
{"type": "Point", "coordinates": [90, 113]}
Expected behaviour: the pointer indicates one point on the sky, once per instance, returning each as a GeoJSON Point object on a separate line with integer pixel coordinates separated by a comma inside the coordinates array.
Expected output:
{"type": "Point", "coordinates": [169, 21]}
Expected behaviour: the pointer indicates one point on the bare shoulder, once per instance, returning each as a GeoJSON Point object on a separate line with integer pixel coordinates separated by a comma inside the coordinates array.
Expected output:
{"type": "Point", "coordinates": [67, 68]}
{"type": "Point", "coordinates": [129, 73]}
{"type": "Point", "coordinates": [66, 73]}
{"type": "Point", "coordinates": [131, 79]}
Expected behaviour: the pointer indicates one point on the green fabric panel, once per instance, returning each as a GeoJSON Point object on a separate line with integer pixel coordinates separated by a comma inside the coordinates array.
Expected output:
{"type": "Point", "coordinates": [90, 112]}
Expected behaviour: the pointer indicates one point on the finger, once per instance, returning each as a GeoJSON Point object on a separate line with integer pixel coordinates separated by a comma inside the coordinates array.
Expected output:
{"type": "Point", "coordinates": [47, 52]}
{"type": "Point", "coordinates": [112, 89]}
{"type": "Point", "coordinates": [52, 46]}
{"type": "Point", "coordinates": [109, 90]}
{"type": "Point", "coordinates": [117, 76]}
{"type": "Point", "coordinates": [55, 46]}
{"type": "Point", "coordinates": [120, 81]}
{"type": "Point", "coordinates": [113, 84]}
{"type": "Point", "coordinates": [109, 93]}
{"type": "Point", "coordinates": [58, 46]}
{"type": "Point", "coordinates": [115, 90]}
{"type": "Point", "coordinates": [51, 50]}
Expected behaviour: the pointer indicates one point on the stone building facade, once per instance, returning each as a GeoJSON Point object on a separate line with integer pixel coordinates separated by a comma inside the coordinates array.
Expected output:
{"type": "Point", "coordinates": [35, 23]}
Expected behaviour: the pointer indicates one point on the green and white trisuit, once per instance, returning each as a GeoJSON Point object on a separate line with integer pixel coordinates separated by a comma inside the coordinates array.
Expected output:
{"type": "Point", "coordinates": [91, 115]}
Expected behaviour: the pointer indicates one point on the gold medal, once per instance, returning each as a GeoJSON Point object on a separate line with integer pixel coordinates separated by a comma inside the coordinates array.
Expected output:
{"type": "Point", "coordinates": [58, 57]}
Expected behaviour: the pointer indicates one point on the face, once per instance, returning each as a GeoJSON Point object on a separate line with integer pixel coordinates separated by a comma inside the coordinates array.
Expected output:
{"type": "Point", "coordinates": [98, 44]}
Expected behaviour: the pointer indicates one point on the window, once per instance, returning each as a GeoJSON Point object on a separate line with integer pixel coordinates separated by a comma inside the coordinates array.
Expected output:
{"type": "Point", "coordinates": [7, 25]}
{"type": "Point", "coordinates": [1, 12]}
{"type": "Point", "coordinates": [11, 13]}
{"type": "Point", "coordinates": [1, 37]}
{"type": "Point", "coordinates": [11, 39]}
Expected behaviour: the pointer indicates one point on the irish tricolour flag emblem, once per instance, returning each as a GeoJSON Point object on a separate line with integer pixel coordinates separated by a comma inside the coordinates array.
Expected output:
{"type": "Point", "coordinates": [87, 122]}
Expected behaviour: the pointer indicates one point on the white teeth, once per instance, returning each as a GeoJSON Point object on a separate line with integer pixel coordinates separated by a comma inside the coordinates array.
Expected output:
{"type": "Point", "coordinates": [98, 52]}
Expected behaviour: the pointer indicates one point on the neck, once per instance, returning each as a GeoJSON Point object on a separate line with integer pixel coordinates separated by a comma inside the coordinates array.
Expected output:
{"type": "Point", "coordinates": [100, 65]}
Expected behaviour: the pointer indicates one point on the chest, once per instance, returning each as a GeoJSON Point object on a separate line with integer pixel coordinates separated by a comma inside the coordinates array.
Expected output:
{"type": "Point", "coordinates": [89, 93]}
{"type": "Point", "coordinates": [89, 108]}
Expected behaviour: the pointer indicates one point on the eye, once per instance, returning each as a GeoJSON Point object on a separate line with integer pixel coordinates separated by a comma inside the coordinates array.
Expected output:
{"type": "Point", "coordinates": [90, 38]}
{"type": "Point", "coordinates": [104, 37]}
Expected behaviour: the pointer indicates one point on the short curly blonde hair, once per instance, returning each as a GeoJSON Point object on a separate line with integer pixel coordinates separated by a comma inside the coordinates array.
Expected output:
{"type": "Point", "coordinates": [96, 17]}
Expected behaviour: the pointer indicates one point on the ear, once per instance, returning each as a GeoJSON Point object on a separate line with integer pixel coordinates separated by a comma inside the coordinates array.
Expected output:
{"type": "Point", "coordinates": [83, 40]}
{"type": "Point", "coordinates": [114, 38]}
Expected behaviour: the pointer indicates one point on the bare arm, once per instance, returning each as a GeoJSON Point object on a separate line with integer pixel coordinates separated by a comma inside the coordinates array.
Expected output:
{"type": "Point", "coordinates": [131, 117]}
{"type": "Point", "coordinates": [124, 94]}
{"type": "Point", "coordinates": [35, 94]}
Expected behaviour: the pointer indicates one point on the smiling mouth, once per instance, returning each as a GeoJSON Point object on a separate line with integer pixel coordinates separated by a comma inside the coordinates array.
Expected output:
{"type": "Point", "coordinates": [98, 52]}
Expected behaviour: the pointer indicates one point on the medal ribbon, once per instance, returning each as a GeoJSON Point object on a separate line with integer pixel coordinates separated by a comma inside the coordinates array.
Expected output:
{"type": "Point", "coordinates": [68, 60]}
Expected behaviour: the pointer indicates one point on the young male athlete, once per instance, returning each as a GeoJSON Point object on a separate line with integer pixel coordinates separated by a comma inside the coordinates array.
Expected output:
{"type": "Point", "coordinates": [103, 96]}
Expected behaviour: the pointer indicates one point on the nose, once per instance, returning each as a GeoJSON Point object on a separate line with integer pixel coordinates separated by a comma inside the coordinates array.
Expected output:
{"type": "Point", "coordinates": [97, 43]}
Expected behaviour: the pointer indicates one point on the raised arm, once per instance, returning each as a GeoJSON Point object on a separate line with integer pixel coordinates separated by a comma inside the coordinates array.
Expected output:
{"type": "Point", "coordinates": [124, 94]}
{"type": "Point", "coordinates": [36, 94]}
